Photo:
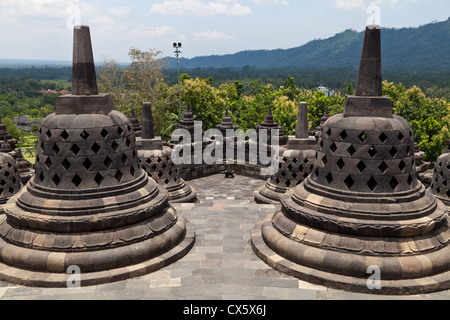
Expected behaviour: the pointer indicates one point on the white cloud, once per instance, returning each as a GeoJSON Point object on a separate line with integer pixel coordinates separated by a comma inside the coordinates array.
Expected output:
{"type": "Point", "coordinates": [350, 4]}
{"type": "Point", "coordinates": [153, 32]}
{"type": "Point", "coordinates": [213, 35]}
{"type": "Point", "coordinates": [272, 2]}
{"type": "Point", "coordinates": [200, 8]}
{"type": "Point", "coordinates": [119, 11]}
{"type": "Point", "coordinates": [362, 5]}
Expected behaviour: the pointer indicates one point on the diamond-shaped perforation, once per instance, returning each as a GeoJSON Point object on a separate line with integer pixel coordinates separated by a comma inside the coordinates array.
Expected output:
{"type": "Point", "coordinates": [329, 177]}
{"type": "Point", "coordinates": [7, 174]}
{"type": "Point", "coordinates": [124, 159]}
{"type": "Point", "coordinates": [383, 137]}
{"type": "Point", "coordinates": [361, 166]}
{"type": "Point", "coordinates": [393, 152]}
{"type": "Point", "coordinates": [383, 167]}
{"type": "Point", "coordinates": [107, 162]}
{"type": "Point", "coordinates": [84, 135]}
{"type": "Point", "coordinates": [96, 148]}
{"type": "Point", "coordinates": [48, 134]}
{"type": "Point", "coordinates": [11, 190]}
{"type": "Point", "coordinates": [3, 183]}
{"type": "Point", "coordinates": [351, 150]}
{"type": "Point", "coordinates": [402, 165]}
{"type": "Point", "coordinates": [372, 183]}
{"type": "Point", "coordinates": [343, 135]}
{"type": "Point", "coordinates": [324, 160]}
{"type": "Point", "coordinates": [47, 162]}
{"type": "Point", "coordinates": [87, 164]}
{"type": "Point", "coordinates": [394, 183]}
{"type": "Point", "coordinates": [128, 142]}
{"type": "Point", "coordinates": [329, 132]}
{"type": "Point", "coordinates": [333, 147]}
{"type": "Point", "coordinates": [372, 151]}
{"type": "Point", "coordinates": [75, 149]}
{"type": "Point", "coordinates": [349, 182]}
{"type": "Point", "coordinates": [362, 137]}
{"type": "Point", "coordinates": [66, 164]}
{"type": "Point", "coordinates": [104, 133]}
{"type": "Point", "coordinates": [401, 137]}
{"type": "Point", "coordinates": [76, 180]}
{"type": "Point", "coordinates": [118, 176]}
{"type": "Point", "coordinates": [132, 171]}
{"type": "Point", "coordinates": [98, 178]}
{"type": "Point", "coordinates": [119, 130]}
{"type": "Point", "coordinates": [64, 135]}
{"type": "Point", "coordinates": [41, 177]}
{"type": "Point", "coordinates": [340, 164]}
{"type": "Point", "coordinates": [56, 180]}
{"type": "Point", "coordinates": [411, 180]}
{"type": "Point", "coordinates": [55, 149]}
{"type": "Point", "coordinates": [114, 146]}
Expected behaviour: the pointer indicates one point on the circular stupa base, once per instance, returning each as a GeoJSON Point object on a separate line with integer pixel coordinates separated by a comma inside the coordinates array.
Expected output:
{"type": "Point", "coordinates": [62, 276]}
{"type": "Point", "coordinates": [312, 263]}
{"type": "Point", "coordinates": [269, 194]}
{"type": "Point", "coordinates": [183, 193]}
{"type": "Point", "coordinates": [333, 260]}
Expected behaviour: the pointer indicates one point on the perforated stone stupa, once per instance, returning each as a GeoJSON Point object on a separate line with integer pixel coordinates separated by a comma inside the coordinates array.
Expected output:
{"type": "Point", "coordinates": [296, 163]}
{"type": "Point", "coordinates": [440, 184]}
{"type": "Point", "coordinates": [156, 160]}
{"type": "Point", "coordinates": [9, 179]}
{"type": "Point", "coordinates": [90, 205]}
{"type": "Point", "coordinates": [362, 209]}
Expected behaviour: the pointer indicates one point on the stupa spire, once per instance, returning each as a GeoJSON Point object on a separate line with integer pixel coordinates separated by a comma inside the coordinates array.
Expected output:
{"type": "Point", "coordinates": [369, 81]}
{"type": "Point", "coordinates": [147, 122]}
{"type": "Point", "coordinates": [84, 80]}
{"type": "Point", "coordinates": [368, 99]}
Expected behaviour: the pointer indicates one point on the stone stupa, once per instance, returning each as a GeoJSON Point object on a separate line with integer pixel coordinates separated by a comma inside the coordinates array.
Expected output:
{"type": "Point", "coordinates": [362, 213]}
{"type": "Point", "coordinates": [9, 178]}
{"type": "Point", "coordinates": [156, 160]}
{"type": "Point", "coordinates": [270, 126]}
{"type": "Point", "coordinates": [440, 183]}
{"type": "Point", "coordinates": [90, 205]}
{"type": "Point", "coordinates": [296, 162]}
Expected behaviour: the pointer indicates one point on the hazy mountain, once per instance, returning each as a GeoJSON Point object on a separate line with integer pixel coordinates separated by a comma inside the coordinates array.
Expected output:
{"type": "Point", "coordinates": [425, 48]}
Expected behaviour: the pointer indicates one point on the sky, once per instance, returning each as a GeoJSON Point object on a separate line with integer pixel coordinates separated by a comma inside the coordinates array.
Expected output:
{"type": "Point", "coordinates": [43, 29]}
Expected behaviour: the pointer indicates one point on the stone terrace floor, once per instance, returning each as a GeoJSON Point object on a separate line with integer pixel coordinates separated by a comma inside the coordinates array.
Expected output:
{"type": "Point", "coordinates": [221, 266]}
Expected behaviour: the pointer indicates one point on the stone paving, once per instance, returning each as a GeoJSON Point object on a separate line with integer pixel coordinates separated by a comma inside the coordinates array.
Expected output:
{"type": "Point", "coordinates": [221, 266]}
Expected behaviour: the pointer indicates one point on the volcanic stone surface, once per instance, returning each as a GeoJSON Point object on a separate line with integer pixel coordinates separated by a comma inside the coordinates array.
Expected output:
{"type": "Point", "coordinates": [362, 208]}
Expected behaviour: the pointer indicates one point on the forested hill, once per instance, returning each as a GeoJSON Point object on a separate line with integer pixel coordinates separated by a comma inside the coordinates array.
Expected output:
{"type": "Point", "coordinates": [425, 48]}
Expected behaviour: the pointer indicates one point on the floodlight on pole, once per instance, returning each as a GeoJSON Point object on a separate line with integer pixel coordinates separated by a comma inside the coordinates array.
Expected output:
{"type": "Point", "coordinates": [177, 52]}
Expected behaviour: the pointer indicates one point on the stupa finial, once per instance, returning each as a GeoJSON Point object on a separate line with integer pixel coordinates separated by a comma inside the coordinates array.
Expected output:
{"type": "Point", "coordinates": [147, 122]}
{"type": "Point", "coordinates": [368, 99]}
{"type": "Point", "coordinates": [302, 121]}
{"type": "Point", "coordinates": [84, 80]}
{"type": "Point", "coordinates": [369, 81]}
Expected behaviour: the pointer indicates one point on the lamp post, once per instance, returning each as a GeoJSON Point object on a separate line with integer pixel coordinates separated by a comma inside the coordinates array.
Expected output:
{"type": "Point", "coordinates": [177, 47]}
